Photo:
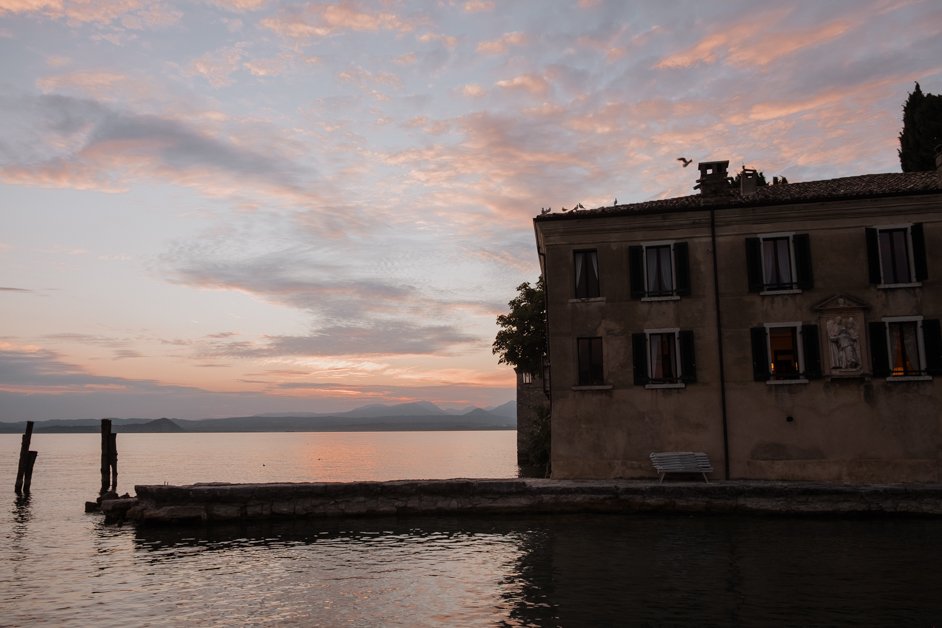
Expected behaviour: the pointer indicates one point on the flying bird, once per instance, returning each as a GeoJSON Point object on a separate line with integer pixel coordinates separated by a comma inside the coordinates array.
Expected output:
{"type": "Point", "coordinates": [685, 161]}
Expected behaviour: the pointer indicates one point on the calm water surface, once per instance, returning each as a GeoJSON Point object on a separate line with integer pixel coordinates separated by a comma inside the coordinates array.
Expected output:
{"type": "Point", "coordinates": [59, 566]}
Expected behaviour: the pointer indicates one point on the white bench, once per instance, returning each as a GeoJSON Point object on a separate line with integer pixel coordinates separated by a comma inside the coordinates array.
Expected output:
{"type": "Point", "coordinates": [681, 462]}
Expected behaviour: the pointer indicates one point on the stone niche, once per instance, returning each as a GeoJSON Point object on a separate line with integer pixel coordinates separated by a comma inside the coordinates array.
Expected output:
{"type": "Point", "coordinates": [842, 328]}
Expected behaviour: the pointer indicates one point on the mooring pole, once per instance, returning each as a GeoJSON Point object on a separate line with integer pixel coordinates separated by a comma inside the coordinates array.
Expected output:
{"type": "Point", "coordinates": [113, 460]}
{"type": "Point", "coordinates": [105, 455]}
{"type": "Point", "coordinates": [28, 478]}
{"type": "Point", "coordinates": [24, 459]}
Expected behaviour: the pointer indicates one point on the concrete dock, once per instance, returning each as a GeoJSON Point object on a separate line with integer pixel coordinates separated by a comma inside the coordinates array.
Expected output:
{"type": "Point", "coordinates": [156, 504]}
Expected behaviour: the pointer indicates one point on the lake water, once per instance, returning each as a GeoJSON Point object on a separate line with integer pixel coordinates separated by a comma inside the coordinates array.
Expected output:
{"type": "Point", "coordinates": [59, 566]}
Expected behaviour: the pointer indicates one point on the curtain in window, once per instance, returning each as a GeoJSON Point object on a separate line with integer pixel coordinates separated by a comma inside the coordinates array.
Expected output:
{"type": "Point", "coordinates": [580, 289]}
{"type": "Point", "coordinates": [776, 263]}
{"type": "Point", "coordinates": [894, 256]}
{"type": "Point", "coordinates": [660, 275]}
{"type": "Point", "coordinates": [663, 357]}
{"type": "Point", "coordinates": [904, 348]}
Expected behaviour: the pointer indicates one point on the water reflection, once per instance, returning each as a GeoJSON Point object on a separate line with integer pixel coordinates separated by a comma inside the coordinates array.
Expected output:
{"type": "Point", "coordinates": [577, 570]}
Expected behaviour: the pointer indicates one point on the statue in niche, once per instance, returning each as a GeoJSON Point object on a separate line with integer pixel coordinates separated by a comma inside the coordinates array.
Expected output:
{"type": "Point", "coordinates": [844, 341]}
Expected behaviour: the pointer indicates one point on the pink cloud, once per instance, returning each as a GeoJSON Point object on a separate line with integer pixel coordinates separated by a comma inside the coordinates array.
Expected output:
{"type": "Point", "coordinates": [477, 6]}
{"type": "Point", "coordinates": [751, 41]}
{"type": "Point", "coordinates": [326, 19]}
{"type": "Point", "coordinates": [502, 43]}
{"type": "Point", "coordinates": [530, 83]}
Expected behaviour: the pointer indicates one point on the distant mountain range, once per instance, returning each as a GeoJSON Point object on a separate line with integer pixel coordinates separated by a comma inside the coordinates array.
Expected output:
{"type": "Point", "coordinates": [417, 416]}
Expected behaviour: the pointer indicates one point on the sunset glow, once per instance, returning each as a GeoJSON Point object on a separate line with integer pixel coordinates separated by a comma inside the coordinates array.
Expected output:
{"type": "Point", "coordinates": [226, 208]}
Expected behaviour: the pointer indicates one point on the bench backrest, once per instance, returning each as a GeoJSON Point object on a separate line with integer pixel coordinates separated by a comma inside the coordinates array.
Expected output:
{"type": "Point", "coordinates": [681, 462]}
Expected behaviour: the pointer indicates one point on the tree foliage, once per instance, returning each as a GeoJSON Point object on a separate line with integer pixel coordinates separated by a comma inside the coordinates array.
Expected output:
{"type": "Point", "coordinates": [521, 340]}
{"type": "Point", "coordinates": [922, 131]}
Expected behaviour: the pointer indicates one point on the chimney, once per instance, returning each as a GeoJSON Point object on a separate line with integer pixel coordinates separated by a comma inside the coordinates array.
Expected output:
{"type": "Point", "coordinates": [748, 181]}
{"type": "Point", "coordinates": [713, 179]}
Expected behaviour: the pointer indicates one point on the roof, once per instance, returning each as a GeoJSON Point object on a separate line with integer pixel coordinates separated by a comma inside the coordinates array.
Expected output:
{"type": "Point", "coordinates": [860, 186]}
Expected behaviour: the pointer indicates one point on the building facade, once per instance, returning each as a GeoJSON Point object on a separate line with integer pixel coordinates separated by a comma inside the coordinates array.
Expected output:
{"type": "Point", "coordinates": [790, 331]}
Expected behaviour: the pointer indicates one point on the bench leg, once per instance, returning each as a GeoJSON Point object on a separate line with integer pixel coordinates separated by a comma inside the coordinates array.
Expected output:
{"type": "Point", "coordinates": [661, 480]}
{"type": "Point", "coordinates": [706, 479]}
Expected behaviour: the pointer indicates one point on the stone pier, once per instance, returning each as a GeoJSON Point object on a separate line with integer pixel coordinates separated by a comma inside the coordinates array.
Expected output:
{"type": "Point", "coordinates": [245, 502]}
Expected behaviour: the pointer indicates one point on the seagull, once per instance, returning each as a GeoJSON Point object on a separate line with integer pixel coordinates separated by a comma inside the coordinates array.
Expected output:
{"type": "Point", "coordinates": [685, 161]}
{"type": "Point", "coordinates": [545, 210]}
{"type": "Point", "coordinates": [615, 202]}
{"type": "Point", "coordinates": [579, 206]}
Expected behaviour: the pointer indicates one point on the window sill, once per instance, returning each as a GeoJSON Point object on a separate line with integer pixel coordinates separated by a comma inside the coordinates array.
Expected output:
{"type": "Point", "coordinates": [666, 385]}
{"type": "Point", "coordinates": [911, 284]}
{"type": "Point", "coordinates": [588, 300]}
{"type": "Point", "coordinates": [909, 378]}
{"type": "Point", "coordinates": [596, 387]}
{"type": "Point", "coordinates": [785, 382]}
{"type": "Point", "coordinates": [772, 293]}
{"type": "Point", "coordinates": [673, 297]}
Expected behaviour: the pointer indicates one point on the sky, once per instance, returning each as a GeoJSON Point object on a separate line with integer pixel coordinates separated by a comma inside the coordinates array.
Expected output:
{"type": "Point", "coordinates": [213, 208]}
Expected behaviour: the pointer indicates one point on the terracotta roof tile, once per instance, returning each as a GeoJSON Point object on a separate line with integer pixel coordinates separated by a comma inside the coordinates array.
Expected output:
{"type": "Point", "coordinates": [861, 186]}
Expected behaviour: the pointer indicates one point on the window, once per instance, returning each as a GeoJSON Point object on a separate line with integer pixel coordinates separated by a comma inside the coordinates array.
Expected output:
{"type": "Point", "coordinates": [586, 265]}
{"type": "Point", "coordinates": [779, 263]}
{"type": "Point", "coordinates": [896, 255]}
{"type": "Point", "coordinates": [785, 353]}
{"type": "Point", "coordinates": [664, 358]}
{"type": "Point", "coordinates": [590, 361]}
{"type": "Point", "coordinates": [526, 377]}
{"type": "Point", "coordinates": [905, 347]}
{"type": "Point", "coordinates": [659, 270]}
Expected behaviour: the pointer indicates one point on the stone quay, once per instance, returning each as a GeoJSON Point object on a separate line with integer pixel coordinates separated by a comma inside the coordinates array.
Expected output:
{"type": "Point", "coordinates": [212, 502]}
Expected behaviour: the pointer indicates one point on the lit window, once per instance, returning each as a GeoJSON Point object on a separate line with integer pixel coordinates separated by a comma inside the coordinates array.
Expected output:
{"type": "Point", "coordinates": [526, 377]}
{"type": "Point", "coordinates": [586, 266]}
{"type": "Point", "coordinates": [906, 347]}
{"type": "Point", "coordinates": [590, 361]}
{"type": "Point", "coordinates": [659, 270]}
{"type": "Point", "coordinates": [897, 255]}
{"type": "Point", "coordinates": [785, 352]}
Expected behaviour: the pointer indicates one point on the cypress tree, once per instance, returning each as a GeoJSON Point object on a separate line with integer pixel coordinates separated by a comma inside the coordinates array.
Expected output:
{"type": "Point", "coordinates": [922, 131]}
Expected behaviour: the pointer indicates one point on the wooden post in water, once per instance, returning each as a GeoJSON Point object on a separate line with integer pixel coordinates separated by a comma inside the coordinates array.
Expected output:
{"type": "Point", "coordinates": [28, 477]}
{"type": "Point", "coordinates": [113, 460]}
{"type": "Point", "coordinates": [105, 454]}
{"type": "Point", "coordinates": [27, 458]}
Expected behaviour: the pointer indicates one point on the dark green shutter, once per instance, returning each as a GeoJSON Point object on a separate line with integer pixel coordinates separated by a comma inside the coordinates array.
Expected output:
{"type": "Point", "coordinates": [754, 264]}
{"type": "Point", "coordinates": [682, 269]}
{"type": "Point", "coordinates": [688, 357]}
{"type": "Point", "coordinates": [636, 271]}
{"type": "Point", "coordinates": [873, 256]}
{"type": "Point", "coordinates": [639, 358]}
{"type": "Point", "coordinates": [879, 356]}
{"type": "Point", "coordinates": [760, 355]}
{"type": "Point", "coordinates": [802, 244]}
{"type": "Point", "coordinates": [932, 338]}
{"type": "Point", "coordinates": [812, 351]}
{"type": "Point", "coordinates": [919, 252]}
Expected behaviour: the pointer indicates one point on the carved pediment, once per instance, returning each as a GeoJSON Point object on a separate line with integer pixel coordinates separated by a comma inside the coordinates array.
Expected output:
{"type": "Point", "coordinates": [840, 302]}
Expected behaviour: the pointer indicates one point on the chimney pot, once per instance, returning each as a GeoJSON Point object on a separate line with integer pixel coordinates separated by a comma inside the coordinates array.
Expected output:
{"type": "Point", "coordinates": [713, 180]}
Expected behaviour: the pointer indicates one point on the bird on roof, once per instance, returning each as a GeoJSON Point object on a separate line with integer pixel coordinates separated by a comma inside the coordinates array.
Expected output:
{"type": "Point", "coordinates": [685, 161]}
{"type": "Point", "coordinates": [579, 206]}
{"type": "Point", "coordinates": [545, 210]}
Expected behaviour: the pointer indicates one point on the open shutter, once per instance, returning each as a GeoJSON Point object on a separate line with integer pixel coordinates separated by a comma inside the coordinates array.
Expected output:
{"type": "Point", "coordinates": [873, 256]}
{"type": "Point", "coordinates": [879, 356]}
{"type": "Point", "coordinates": [932, 340]}
{"type": "Point", "coordinates": [760, 355]}
{"type": "Point", "coordinates": [919, 252]}
{"type": "Point", "coordinates": [639, 358]}
{"type": "Point", "coordinates": [636, 271]}
{"type": "Point", "coordinates": [688, 357]}
{"type": "Point", "coordinates": [754, 264]}
{"type": "Point", "coordinates": [812, 351]}
{"type": "Point", "coordinates": [682, 269]}
{"type": "Point", "coordinates": [802, 244]}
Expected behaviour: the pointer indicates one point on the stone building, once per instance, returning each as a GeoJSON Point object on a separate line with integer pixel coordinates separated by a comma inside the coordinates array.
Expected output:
{"type": "Point", "coordinates": [790, 331]}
